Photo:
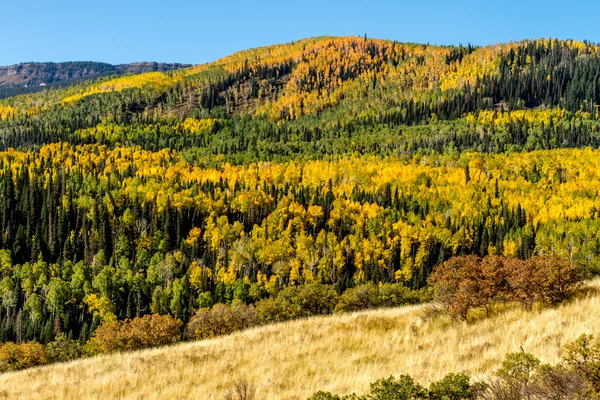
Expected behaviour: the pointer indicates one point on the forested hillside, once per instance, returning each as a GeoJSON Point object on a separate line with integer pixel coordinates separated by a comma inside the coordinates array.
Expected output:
{"type": "Point", "coordinates": [342, 354]}
{"type": "Point", "coordinates": [339, 161]}
{"type": "Point", "coordinates": [33, 77]}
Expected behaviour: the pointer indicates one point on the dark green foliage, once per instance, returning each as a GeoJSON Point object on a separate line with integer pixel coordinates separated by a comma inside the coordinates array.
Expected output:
{"type": "Point", "coordinates": [370, 295]}
{"type": "Point", "coordinates": [401, 388]}
{"type": "Point", "coordinates": [324, 396]}
{"type": "Point", "coordinates": [451, 387]}
{"type": "Point", "coordinates": [519, 367]}
{"type": "Point", "coordinates": [297, 302]}
{"type": "Point", "coordinates": [63, 349]}
{"type": "Point", "coordinates": [522, 376]}
{"type": "Point", "coordinates": [583, 357]}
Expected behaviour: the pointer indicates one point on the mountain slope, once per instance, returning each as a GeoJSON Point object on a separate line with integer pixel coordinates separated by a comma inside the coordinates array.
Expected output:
{"type": "Point", "coordinates": [337, 161]}
{"type": "Point", "coordinates": [31, 77]}
{"type": "Point", "coordinates": [339, 87]}
{"type": "Point", "coordinates": [341, 353]}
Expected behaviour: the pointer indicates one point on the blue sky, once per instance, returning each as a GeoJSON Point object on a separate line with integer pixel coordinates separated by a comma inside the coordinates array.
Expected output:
{"type": "Point", "coordinates": [198, 31]}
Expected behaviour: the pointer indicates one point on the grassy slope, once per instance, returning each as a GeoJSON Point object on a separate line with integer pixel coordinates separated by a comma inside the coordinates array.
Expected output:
{"type": "Point", "coordinates": [342, 353]}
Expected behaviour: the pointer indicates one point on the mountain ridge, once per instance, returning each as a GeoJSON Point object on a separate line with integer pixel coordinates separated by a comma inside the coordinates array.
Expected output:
{"type": "Point", "coordinates": [28, 77]}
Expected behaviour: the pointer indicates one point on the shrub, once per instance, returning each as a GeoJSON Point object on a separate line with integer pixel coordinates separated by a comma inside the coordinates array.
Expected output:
{"type": "Point", "coordinates": [451, 387]}
{"type": "Point", "coordinates": [297, 302]}
{"type": "Point", "coordinates": [395, 294]}
{"type": "Point", "coordinates": [369, 296]}
{"type": "Point", "coordinates": [403, 388]}
{"type": "Point", "coordinates": [314, 299]}
{"type": "Point", "coordinates": [241, 390]}
{"type": "Point", "coordinates": [14, 357]}
{"type": "Point", "coordinates": [467, 282]}
{"type": "Point", "coordinates": [522, 377]}
{"type": "Point", "coordinates": [561, 383]}
{"type": "Point", "coordinates": [134, 334]}
{"type": "Point", "coordinates": [220, 320]}
{"type": "Point", "coordinates": [362, 297]}
{"type": "Point", "coordinates": [458, 285]}
{"type": "Point", "coordinates": [519, 367]}
{"type": "Point", "coordinates": [105, 339]}
{"type": "Point", "coordinates": [397, 389]}
{"type": "Point", "coordinates": [63, 349]}
{"type": "Point", "coordinates": [269, 311]}
{"type": "Point", "coordinates": [583, 356]}
{"type": "Point", "coordinates": [547, 280]}
{"type": "Point", "coordinates": [320, 395]}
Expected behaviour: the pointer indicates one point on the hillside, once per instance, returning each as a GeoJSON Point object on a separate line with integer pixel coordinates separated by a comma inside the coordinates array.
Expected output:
{"type": "Point", "coordinates": [330, 89]}
{"type": "Point", "coordinates": [32, 77]}
{"type": "Point", "coordinates": [342, 353]}
{"type": "Point", "coordinates": [339, 161]}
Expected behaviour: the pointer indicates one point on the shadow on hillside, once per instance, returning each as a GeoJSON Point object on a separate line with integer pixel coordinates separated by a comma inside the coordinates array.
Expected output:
{"type": "Point", "coordinates": [585, 291]}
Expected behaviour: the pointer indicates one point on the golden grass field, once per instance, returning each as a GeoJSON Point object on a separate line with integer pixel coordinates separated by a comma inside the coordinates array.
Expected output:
{"type": "Point", "coordinates": [340, 353]}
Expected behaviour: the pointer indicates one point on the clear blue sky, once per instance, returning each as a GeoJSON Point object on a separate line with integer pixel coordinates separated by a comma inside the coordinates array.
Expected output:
{"type": "Point", "coordinates": [120, 31]}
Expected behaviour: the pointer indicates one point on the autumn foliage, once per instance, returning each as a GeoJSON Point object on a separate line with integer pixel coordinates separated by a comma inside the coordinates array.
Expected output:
{"type": "Point", "coordinates": [134, 334]}
{"type": "Point", "coordinates": [15, 356]}
{"type": "Point", "coordinates": [467, 282]}
{"type": "Point", "coordinates": [324, 175]}
{"type": "Point", "coordinates": [220, 320]}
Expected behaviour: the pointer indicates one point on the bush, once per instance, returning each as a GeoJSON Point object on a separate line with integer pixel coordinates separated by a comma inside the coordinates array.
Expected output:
{"type": "Point", "coordinates": [395, 294]}
{"type": "Point", "coordinates": [467, 282]}
{"type": "Point", "coordinates": [523, 377]}
{"type": "Point", "coordinates": [220, 320]}
{"type": "Point", "coordinates": [583, 356]}
{"type": "Point", "coordinates": [397, 389]}
{"type": "Point", "coordinates": [458, 285]}
{"type": "Point", "coordinates": [561, 383]}
{"type": "Point", "coordinates": [241, 390]}
{"type": "Point", "coordinates": [519, 367]}
{"type": "Point", "coordinates": [547, 280]}
{"type": "Point", "coordinates": [14, 357]}
{"type": "Point", "coordinates": [297, 302]}
{"type": "Point", "coordinates": [320, 395]}
{"type": "Point", "coordinates": [403, 388]}
{"type": "Point", "coordinates": [362, 297]}
{"type": "Point", "coordinates": [369, 296]}
{"type": "Point", "coordinates": [134, 334]}
{"type": "Point", "coordinates": [63, 349]}
{"type": "Point", "coordinates": [451, 387]}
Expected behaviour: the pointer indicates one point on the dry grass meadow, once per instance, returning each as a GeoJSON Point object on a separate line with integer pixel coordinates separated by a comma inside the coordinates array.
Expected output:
{"type": "Point", "coordinates": [341, 353]}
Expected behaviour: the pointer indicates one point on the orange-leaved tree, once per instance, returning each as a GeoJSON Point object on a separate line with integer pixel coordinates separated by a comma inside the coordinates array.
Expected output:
{"type": "Point", "coordinates": [466, 282]}
{"type": "Point", "coordinates": [133, 334]}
